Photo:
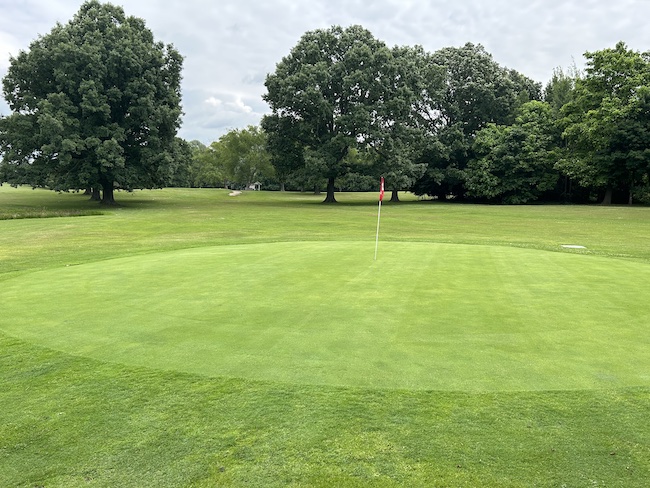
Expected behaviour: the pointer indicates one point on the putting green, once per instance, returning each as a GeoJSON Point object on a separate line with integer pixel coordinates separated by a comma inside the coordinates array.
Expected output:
{"type": "Point", "coordinates": [423, 316]}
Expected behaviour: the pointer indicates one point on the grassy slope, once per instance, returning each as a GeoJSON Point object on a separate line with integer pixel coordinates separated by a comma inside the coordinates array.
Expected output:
{"type": "Point", "coordinates": [69, 421]}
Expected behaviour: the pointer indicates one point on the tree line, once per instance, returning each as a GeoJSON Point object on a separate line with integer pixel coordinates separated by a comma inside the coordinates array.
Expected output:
{"type": "Point", "coordinates": [456, 124]}
{"type": "Point", "coordinates": [453, 124]}
{"type": "Point", "coordinates": [96, 105]}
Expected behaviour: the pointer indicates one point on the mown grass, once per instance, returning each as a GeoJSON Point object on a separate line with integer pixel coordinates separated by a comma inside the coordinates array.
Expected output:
{"type": "Point", "coordinates": [68, 420]}
{"type": "Point", "coordinates": [423, 316]}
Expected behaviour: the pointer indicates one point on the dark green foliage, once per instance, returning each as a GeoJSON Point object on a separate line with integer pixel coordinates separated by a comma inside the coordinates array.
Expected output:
{"type": "Point", "coordinates": [96, 103]}
{"type": "Point", "coordinates": [607, 123]}
{"type": "Point", "coordinates": [283, 146]}
{"type": "Point", "coordinates": [325, 95]}
{"type": "Point", "coordinates": [457, 124]}
{"type": "Point", "coordinates": [397, 134]}
{"type": "Point", "coordinates": [181, 152]}
{"type": "Point", "coordinates": [472, 92]}
{"type": "Point", "coordinates": [514, 164]}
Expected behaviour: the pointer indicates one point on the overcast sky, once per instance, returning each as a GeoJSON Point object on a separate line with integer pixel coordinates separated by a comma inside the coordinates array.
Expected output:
{"type": "Point", "coordinates": [230, 46]}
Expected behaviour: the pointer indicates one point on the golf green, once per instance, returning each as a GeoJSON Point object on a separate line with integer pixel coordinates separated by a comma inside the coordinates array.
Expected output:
{"type": "Point", "coordinates": [423, 316]}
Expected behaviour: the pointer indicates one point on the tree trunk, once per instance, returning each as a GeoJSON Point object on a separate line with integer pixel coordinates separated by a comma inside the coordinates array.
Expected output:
{"type": "Point", "coordinates": [330, 191]}
{"type": "Point", "coordinates": [95, 195]}
{"type": "Point", "coordinates": [394, 197]}
{"type": "Point", "coordinates": [282, 186]}
{"type": "Point", "coordinates": [107, 194]}
{"type": "Point", "coordinates": [607, 199]}
{"type": "Point", "coordinates": [631, 199]}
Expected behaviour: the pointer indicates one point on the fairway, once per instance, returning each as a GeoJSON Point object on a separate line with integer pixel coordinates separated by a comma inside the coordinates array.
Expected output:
{"type": "Point", "coordinates": [425, 316]}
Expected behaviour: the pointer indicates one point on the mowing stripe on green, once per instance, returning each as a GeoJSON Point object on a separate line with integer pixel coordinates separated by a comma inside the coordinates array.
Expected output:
{"type": "Point", "coordinates": [423, 316]}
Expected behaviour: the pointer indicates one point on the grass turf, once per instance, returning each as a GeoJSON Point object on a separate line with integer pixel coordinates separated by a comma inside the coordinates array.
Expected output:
{"type": "Point", "coordinates": [469, 318]}
{"type": "Point", "coordinates": [77, 421]}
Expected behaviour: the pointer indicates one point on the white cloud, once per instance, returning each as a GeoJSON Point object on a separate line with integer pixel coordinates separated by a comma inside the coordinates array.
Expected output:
{"type": "Point", "coordinates": [235, 103]}
{"type": "Point", "coordinates": [239, 106]}
{"type": "Point", "coordinates": [8, 46]}
{"type": "Point", "coordinates": [214, 102]}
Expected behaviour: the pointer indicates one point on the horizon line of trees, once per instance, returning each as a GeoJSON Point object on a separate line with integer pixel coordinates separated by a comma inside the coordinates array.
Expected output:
{"type": "Point", "coordinates": [96, 106]}
{"type": "Point", "coordinates": [453, 124]}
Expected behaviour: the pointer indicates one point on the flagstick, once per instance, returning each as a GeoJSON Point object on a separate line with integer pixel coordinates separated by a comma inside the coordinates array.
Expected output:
{"type": "Point", "coordinates": [377, 238]}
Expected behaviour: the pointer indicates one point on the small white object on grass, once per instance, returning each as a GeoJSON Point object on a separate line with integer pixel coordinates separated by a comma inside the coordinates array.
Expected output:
{"type": "Point", "coordinates": [573, 246]}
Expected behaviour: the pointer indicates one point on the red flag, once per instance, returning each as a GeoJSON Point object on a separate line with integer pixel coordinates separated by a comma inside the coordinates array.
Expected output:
{"type": "Point", "coordinates": [381, 190]}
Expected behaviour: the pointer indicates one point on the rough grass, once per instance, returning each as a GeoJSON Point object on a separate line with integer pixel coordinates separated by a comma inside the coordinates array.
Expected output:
{"type": "Point", "coordinates": [69, 420]}
{"type": "Point", "coordinates": [25, 205]}
{"type": "Point", "coordinates": [43, 213]}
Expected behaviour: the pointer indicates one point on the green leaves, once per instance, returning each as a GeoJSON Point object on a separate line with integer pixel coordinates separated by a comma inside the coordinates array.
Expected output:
{"type": "Point", "coordinates": [326, 93]}
{"type": "Point", "coordinates": [101, 100]}
{"type": "Point", "coordinates": [464, 92]}
{"type": "Point", "coordinates": [238, 158]}
{"type": "Point", "coordinates": [607, 122]}
{"type": "Point", "coordinates": [514, 164]}
{"type": "Point", "coordinates": [341, 90]}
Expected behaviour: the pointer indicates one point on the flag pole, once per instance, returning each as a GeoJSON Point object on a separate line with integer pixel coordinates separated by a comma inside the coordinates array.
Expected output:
{"type": "Point", "coordinates": [381, 197]}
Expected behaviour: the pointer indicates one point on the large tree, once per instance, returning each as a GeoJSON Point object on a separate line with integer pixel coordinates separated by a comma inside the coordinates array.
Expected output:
{"type": "Point", "coordinates": [396, 136]}
{"type": "Point", "coordinates": [96, 103]}
{"type": "Point", "coordinates": [325, 93]}
{"type": "Point", "coordinates": [472, 92]}
{"type": "Point", "coordinates": [205, 170]}
{"type": "Point", "coordinates": [514, 163]}
{"type": "Point", "coordinates": [607, 122]}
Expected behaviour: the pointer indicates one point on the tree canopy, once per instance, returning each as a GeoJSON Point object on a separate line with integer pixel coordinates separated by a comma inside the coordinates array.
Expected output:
{"type": "Point", "coordinates": [514, 163]}
{"type": "Point", "coordinates": [326, 92]}
{"type": "Point", "coordinates": [607, 123]}
{"type": "Point", "coordinates": [242, 156]}
{"type": "Point", "coordinates": [470, 92]}
{"type": "Point", "coordinates": [456, 123]}
{"type": "Point", "coordinates": [95, 103]}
